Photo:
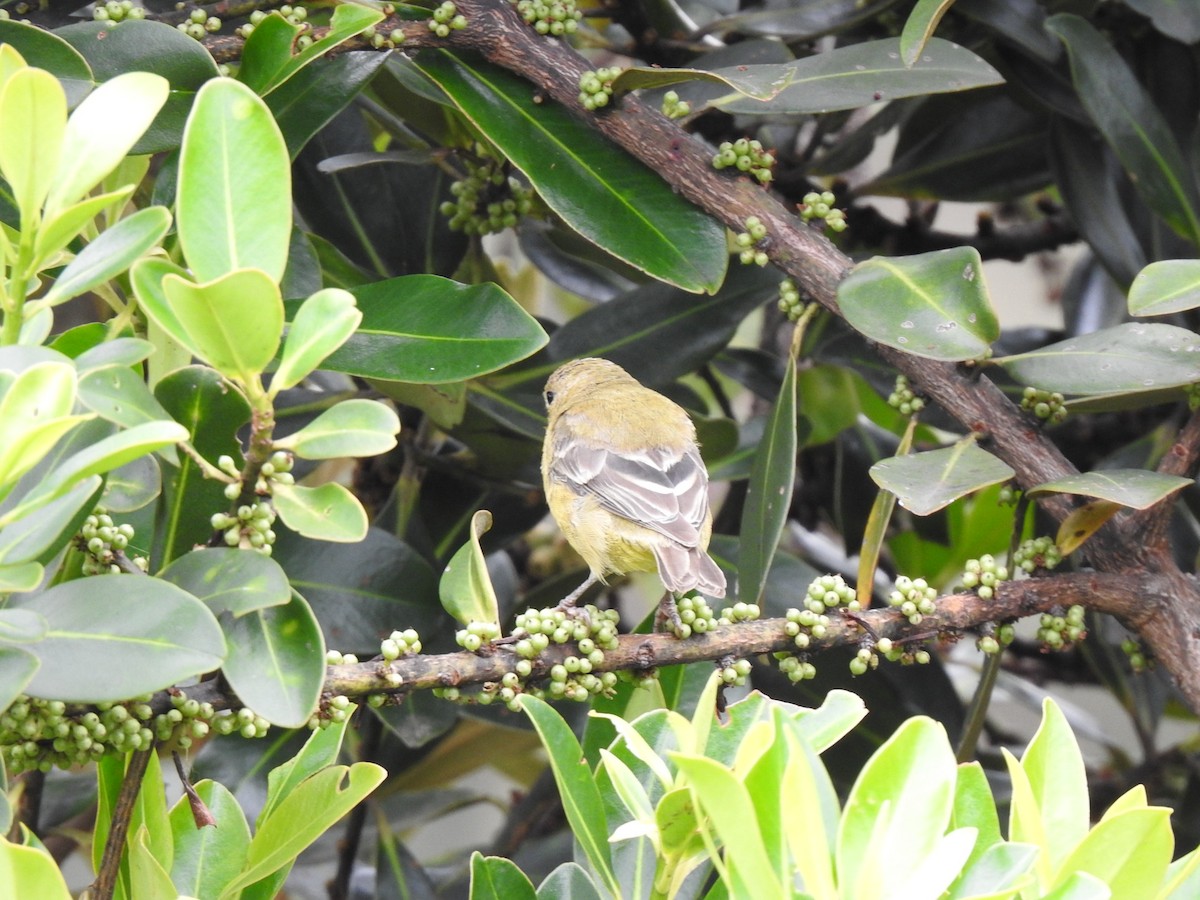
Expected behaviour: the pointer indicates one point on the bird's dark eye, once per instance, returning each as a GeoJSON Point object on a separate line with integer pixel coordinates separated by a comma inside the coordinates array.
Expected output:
{"type": "Point", "coordinates": [549, 395]}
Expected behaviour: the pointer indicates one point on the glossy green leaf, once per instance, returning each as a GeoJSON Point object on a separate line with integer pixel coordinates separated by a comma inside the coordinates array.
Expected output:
{"type": "Point", "coordinates": [22, 576]}
{"type": "Point", "coordinates": [314, 806]}
{"type": "Point", "coordinates": [233, 323]}
{"type": "Point", "coordinates": [1174, 18]}
{"type": "Point", "coordinates": [731, 815]}
{"type": "Point", "coordinates": [577, 789]}
{"type": "Point", "coordinates": [43, 532]}
{"type": "Point", "coordinates": [60, 228]}
{"type": "Point", "coordinates": [1128, 852]}
{"type": "Point", "coordinates": [1167, 286]}
{"type": "Point", "coordinates": [1054, 766]}
{"type": "Point", "coordinates": [114, 251]}
{"type": "Point", "coordinates": [569, 880]}
{"type": "Point", "coordinates": [147, 46]}
{"type": "Point", "coordinates": [898, 810]}
{"type": "Point", "coordinates": [328, 512]}
{"type": "Point", "coordinates": [769, 494]}
{"type": "Point", "coordinates": [44, 50]}
{"type": "Point", "coordinates": [30, 872]}
{"type": "Point", "coordinates": [134, 485]}
{"type": "Point", "coordinates": [272, 69]}
{"type": "Point", "coordinates": [33, 108]}
{"type": "Point", "coordinates": [123, 351]}
{"type": "Point", "coordinates": [147, 877]}
{"type": "Point", "coordinates": [497, 878]}
{"type": "Point", "coordinates": [927, 482]}
{"type": "Point", "coordinates": [230, 580]}
{"type": "Point", "coordinates": [120, 395]}
{"type": "Point", "coordinates": [234, 195]}
{"type": "Point", "coordinates": [357, 427]}
{"type": "Point", "coordinates": [142, 640]}
{"type": "Point", "coordinates": [35, 408]}
{"type": "Point", "coordinates": [1132, 124]}
{"type": "Point", "coordinates": [466, 588]}
{"type": "Point", "coordinates": [276, 661]}
{"type": "Point", "coordinates": [110, 453]}
{"type": "Point", "coordinates": [322, 324]}
{"type": "Point", "coordinates": [321, 749]}
{"type": "Point", "coordinates": [609, 198]}
{"type": "Point", "coordinates": [933, 305]}
{"type": "Point", "coordinates": [919, 28]}
{"type": "Point", "coordinates": [102, 131]}
{"type": "Point", "coordinates": [975, 807]}
{"type": "Point", "coordinates": [1132, 357]}
{"type": "Point", "coordinates": [997, 874]}
{"type": "Point", "coordinates": [1133, 488]}
{"type": "Point", "coordinates": [205, 859]}
{"type": "Point", "coordinates": [861, 74]}
{"type": "Point", "coordinates": [424, 329]}
{"type": "Point", "coordinates": [17, 668]}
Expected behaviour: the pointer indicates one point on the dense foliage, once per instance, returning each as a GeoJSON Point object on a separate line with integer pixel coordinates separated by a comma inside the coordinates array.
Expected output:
{"type": "Point", "coordinates": [278, 305]}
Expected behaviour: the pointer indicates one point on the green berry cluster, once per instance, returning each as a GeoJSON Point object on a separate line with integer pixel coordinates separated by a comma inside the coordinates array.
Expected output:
{"type": "Point", "coordinates": [476, 634]}
{"type": "Point", "coordinates": [593, 632]}
{"type": "Point", "coordinates": [116, 11]}
{"type": "Point", "coordinates": [865, 659]}
{"type": "Point", "coordinates": [1137, 657]}
{"type": "Point", "coordinates": [913, 597]}
{"type": "Point", "coordinates": [796, 668]}
{"type": "Point", "coordinates": [904, 398]}
{"type": "Point", "coordinates": [447, 18]}
{"type": "Point", "coordinates": [249, 527]}
{"type": "Point", "coordinates": [1192, 391]}
{"type": "Point", "coordinates": [297, 15]}
{"type": "Point", "coordinates": [337, 658]}
{"type": "Point", "coordinates": [101, 541]}
{"type": "Point", "coordinates": [1046, 405]}
{"type": "Point", "coordinates": [1059, 631]}
{"type": "Point", "coordinates": [695, 617]}
{"type": "Point", "coordinates": [830, 591]}
{"type": "Point", "coordinates": [595, 87]}
{"type": "Point", "coordinates": [390, 41]}
{"type": "Point", "coordinates": [983, 574]}
{"type": "Point", "coordinates": [745, 156]}
{"type": "Point", "coordinates": [906, 655]}
{"type": "Point", "coordinates": [734, 672]}
{"type": "Point", "coordinates": [556, 17]}
{"type": "Point", "coordinates": [996, 637]}
{"type": "Point", "coordinates": [331, 709]}
{"type": "Point", "coordinates": [1037, 553]}
{"type": "Point", "coordinates": [790, 301]}
{"type": "Point", "coordinates": [673, 107]}
{"type": "Point", "coordinates": [276, 470]}
{"type": "Point", "coordinates": [739, 612]}
{"type": "Point", "coordinates": [41, 734]}
{"type": "Point", "coordinates": [820, 206]}
{"type": "Point", "coordinates": [745, 241]}
{"type": "Point", "coordinates": [199, 24]}
{"type": "Point", "coordinates": [400, 643]}
{"type": "Point", "coordinates": [487, 198]}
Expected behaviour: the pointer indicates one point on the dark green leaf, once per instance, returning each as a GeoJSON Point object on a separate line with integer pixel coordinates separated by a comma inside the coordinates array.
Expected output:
{"type": "Point", "coordinates": [1176, 19]}
{"type": "Point", "coordinates": [1168, 286]}
{"type": "Point", "coordinates": [607, 197]}
{"type": "Point", "coordinates": [361, 592]}
{"type": "Point", "coordinates": [1134, 488]}
{"type": "Point", "coordinates": [1129, 358]}
{"type": "Point", "coordinates": [934, 304]}
{"type": "Point", "coordinates": [133, 486]}
{"type": "Point", "coordinates": [137, 634]}
{"type": "Point", "coordinates": [970, 147]}
{"type": "Point", "coordinates": [44, 50]}
{"type": "Point", "coordinates": [1131, 123]}
{"type": "Point", "coordinates": [1083, 169]}
{"type": "Point", "coordinates": [206, 859]}
{"type": "Point", "coordinates": [308, 100]}
{"type": "Point", "coordinates": [769, 495]}
{"type": "Point", "coordinates": [762, 82]}
{"type": "Point", "coordinates": [424, 329]}
{"type": "Point", "coordinates": [805, 21]}
{"type": "Point", "coordinates": [203, 402]}
{"type": "Point", "coordinates": [230, 580]}
{"type": "Point", "coordinates": [141, 45]}
{"type": "Point", "coordinates": [279, 63]}
{"type": "Point", "coordinates": [497, 878]}
{"type": "Point", "coordinates": [861, 74]}
{"type": "Point", "coordinates": [926, 482]}
{"type": "Point", "coordinates": [276, 661]}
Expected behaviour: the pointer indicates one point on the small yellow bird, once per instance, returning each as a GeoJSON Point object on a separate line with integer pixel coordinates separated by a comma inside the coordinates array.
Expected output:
{"type": "Point", "coordinates": [624, 480]}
